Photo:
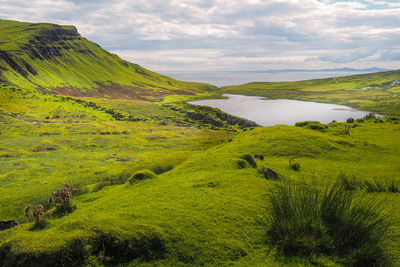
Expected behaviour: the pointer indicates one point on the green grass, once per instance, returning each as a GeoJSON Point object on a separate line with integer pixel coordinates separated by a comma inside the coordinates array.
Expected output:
{"type": "Point", "coordinates": [207, 211]}
{"type": "Point", "coordinates": [46, 140]}
{"type": "Point", "coordinates": [164, 183]}
{"type": "Point", "coordinates": [373, 92]}
{"type": "Point", "coordinates": [304, 220]}
{"type": "Point", "coordinates": [55, 58]}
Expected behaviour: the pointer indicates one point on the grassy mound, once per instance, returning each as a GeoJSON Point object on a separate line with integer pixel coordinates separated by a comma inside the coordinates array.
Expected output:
{"type": "Point", "coordinates": [141, 175]}
{"type": "Point", "coordinates": [104, 246]}
{"type": "Point", "coordinates": [57, 59]}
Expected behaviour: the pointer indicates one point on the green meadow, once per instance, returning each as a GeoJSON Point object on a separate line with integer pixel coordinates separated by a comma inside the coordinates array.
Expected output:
{"type": "Point", "coordinates": [375, 92]}
{"type": "Point", "coordinates": [158, 182]}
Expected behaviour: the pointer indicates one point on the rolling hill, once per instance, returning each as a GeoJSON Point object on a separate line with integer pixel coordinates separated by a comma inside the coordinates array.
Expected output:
{"type": "Point", "coordinates": [53, 58]}
{"type": "Point", "coordinates": [158, 182]}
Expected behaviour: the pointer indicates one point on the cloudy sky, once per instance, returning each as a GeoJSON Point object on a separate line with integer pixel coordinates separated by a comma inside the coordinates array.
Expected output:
{"type": "Point", "coordinates": [230, 34]}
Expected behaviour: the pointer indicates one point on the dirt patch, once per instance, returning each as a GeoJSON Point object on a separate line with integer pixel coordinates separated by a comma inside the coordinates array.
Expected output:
{"type": "Point", "coordinates": [117, 91]}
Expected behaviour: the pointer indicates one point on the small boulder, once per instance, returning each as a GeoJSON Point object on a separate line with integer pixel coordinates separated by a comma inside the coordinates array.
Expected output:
{"type": "Point", "coordinates": [350, 120]}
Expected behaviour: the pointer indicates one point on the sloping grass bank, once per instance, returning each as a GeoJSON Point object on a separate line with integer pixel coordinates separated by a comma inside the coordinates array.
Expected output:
{"type": "Point", "coordinates": [211, 211]}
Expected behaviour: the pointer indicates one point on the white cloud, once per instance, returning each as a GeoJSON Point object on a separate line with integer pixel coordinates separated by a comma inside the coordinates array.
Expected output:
{"type": "Point", "coordinates": [229, 34]}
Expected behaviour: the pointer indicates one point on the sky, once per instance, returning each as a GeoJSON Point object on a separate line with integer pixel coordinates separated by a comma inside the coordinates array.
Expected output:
{"type": "Point", "coordinates": [208, 35]}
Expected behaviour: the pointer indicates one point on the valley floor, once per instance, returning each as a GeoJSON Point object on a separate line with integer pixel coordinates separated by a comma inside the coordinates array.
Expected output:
{"type": "Point", "coordinates": [205, 206]}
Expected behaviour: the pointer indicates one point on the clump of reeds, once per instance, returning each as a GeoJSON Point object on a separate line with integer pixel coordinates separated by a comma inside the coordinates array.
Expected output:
{"type": "Point", "coordinates": [305, 221]}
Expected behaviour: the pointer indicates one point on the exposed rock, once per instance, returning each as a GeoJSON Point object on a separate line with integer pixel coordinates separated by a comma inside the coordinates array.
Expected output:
{"type": "Point", "coordinates": [7, 224]}
{"type": "Point", "coordinates": [350, 120]}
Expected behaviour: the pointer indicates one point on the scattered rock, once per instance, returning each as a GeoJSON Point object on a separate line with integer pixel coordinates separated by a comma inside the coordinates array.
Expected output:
{"type": "Point", "coordinates": [350, 120]}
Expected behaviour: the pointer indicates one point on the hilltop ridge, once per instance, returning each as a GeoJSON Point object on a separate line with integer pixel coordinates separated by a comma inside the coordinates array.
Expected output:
{"type": "Point", "coordinates": [53, 58]}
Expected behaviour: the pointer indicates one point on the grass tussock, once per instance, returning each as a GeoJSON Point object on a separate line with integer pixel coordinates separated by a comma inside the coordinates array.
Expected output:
{"type": "Point", "coordinates": [141, 175]}
{"type": "Point", "coordinates": [249, 158]}
{"type": "Point", "coordinates": [370, 186]}
{"type": "Point", "coordinates": [335, 222]}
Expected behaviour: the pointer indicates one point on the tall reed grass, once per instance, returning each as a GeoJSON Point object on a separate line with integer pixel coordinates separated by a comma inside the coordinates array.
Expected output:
{"type": "Point", "coordinates": [304, 221]}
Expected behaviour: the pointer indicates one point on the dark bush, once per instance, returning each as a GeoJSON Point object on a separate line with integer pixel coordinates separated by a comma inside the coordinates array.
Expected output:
{"type": "Point", "coordinates": [249, 158]}
{"type": "Point", "coordinates": [259, 156]}
{"type": "Point", "coordinates": [61, 199]}
{"type": "Point", "coordinates": [294, 165]}
{"type": "Point", "coordinates": [269, 173]}
{"type": "Point", "coordinates": [369, 116]}
{"type": "Point", "coordinates": [142, 175]}
{"type": "Point", "coordinates": [162, 168]}
{"type": "Point", "coordinates": [313, 125]}
{"type": "Point", "coordinates": [37, 213]}
{"type": "Point", "coordinates": [241, 164]}
{"type": "Point", "coordinates": [306, 221]}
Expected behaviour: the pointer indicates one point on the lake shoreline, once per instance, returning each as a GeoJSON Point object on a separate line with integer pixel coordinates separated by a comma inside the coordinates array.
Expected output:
{"type": "Point", "coordinates": [269, 112]}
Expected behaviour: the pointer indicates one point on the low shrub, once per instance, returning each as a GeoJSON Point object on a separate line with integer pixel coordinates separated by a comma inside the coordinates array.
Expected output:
{"type": "Point", "coordinates": [241, 164]}
{"type": "Point", "coordinates": [159, 169]}
{"type": "Point", "coordinates": [141, 175]}
{"type": "Point", "coordinates": [249, 158]}
{"type": "Point", "coordinates": [37, 213]}
{"type": "Point", "coordinates": [119, 177]}
{"type": "Point", "coordinates": [61, 199]}
{"type": "Point", "coordinates": [313, 125]}
{"type": "Point", "coordinates": [269, 173]}
{"type": "Point", "coordinates": [294, 165]}
{"type": "Point", "coordinates": [303, 220]}
{"type": "Point", "coordinates": [369, 116]}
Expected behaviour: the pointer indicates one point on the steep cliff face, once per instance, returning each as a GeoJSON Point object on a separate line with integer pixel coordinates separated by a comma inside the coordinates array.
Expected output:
{"type": "Point", "coordinates": [57, 59]}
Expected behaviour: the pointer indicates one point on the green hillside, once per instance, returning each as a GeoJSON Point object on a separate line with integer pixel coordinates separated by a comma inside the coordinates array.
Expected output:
{"type": "Point", "coordinates": [53, 58]}
{"type": "Point", "coordinates": [103, 164]}
{"type": "Point", "coordinates": [212, 209]}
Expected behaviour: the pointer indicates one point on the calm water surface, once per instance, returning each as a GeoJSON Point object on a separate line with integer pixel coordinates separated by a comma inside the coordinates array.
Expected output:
{"type": "Point", "coordinates": [280, 111]}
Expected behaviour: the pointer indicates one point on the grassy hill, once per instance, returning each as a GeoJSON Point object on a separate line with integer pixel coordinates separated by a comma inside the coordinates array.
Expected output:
{"type": "Point", "coordinates": [212, 209]}
{"type": "Point", "coordinates": [163, 183]}
{"type": "Point", "coordinates": [376, 92]}
{"type": "Point", "coordinates": [53, 58]}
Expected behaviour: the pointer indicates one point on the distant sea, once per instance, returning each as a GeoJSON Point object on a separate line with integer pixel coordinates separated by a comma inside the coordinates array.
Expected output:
{"type": "Point", "coordinates": [225, 78]}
